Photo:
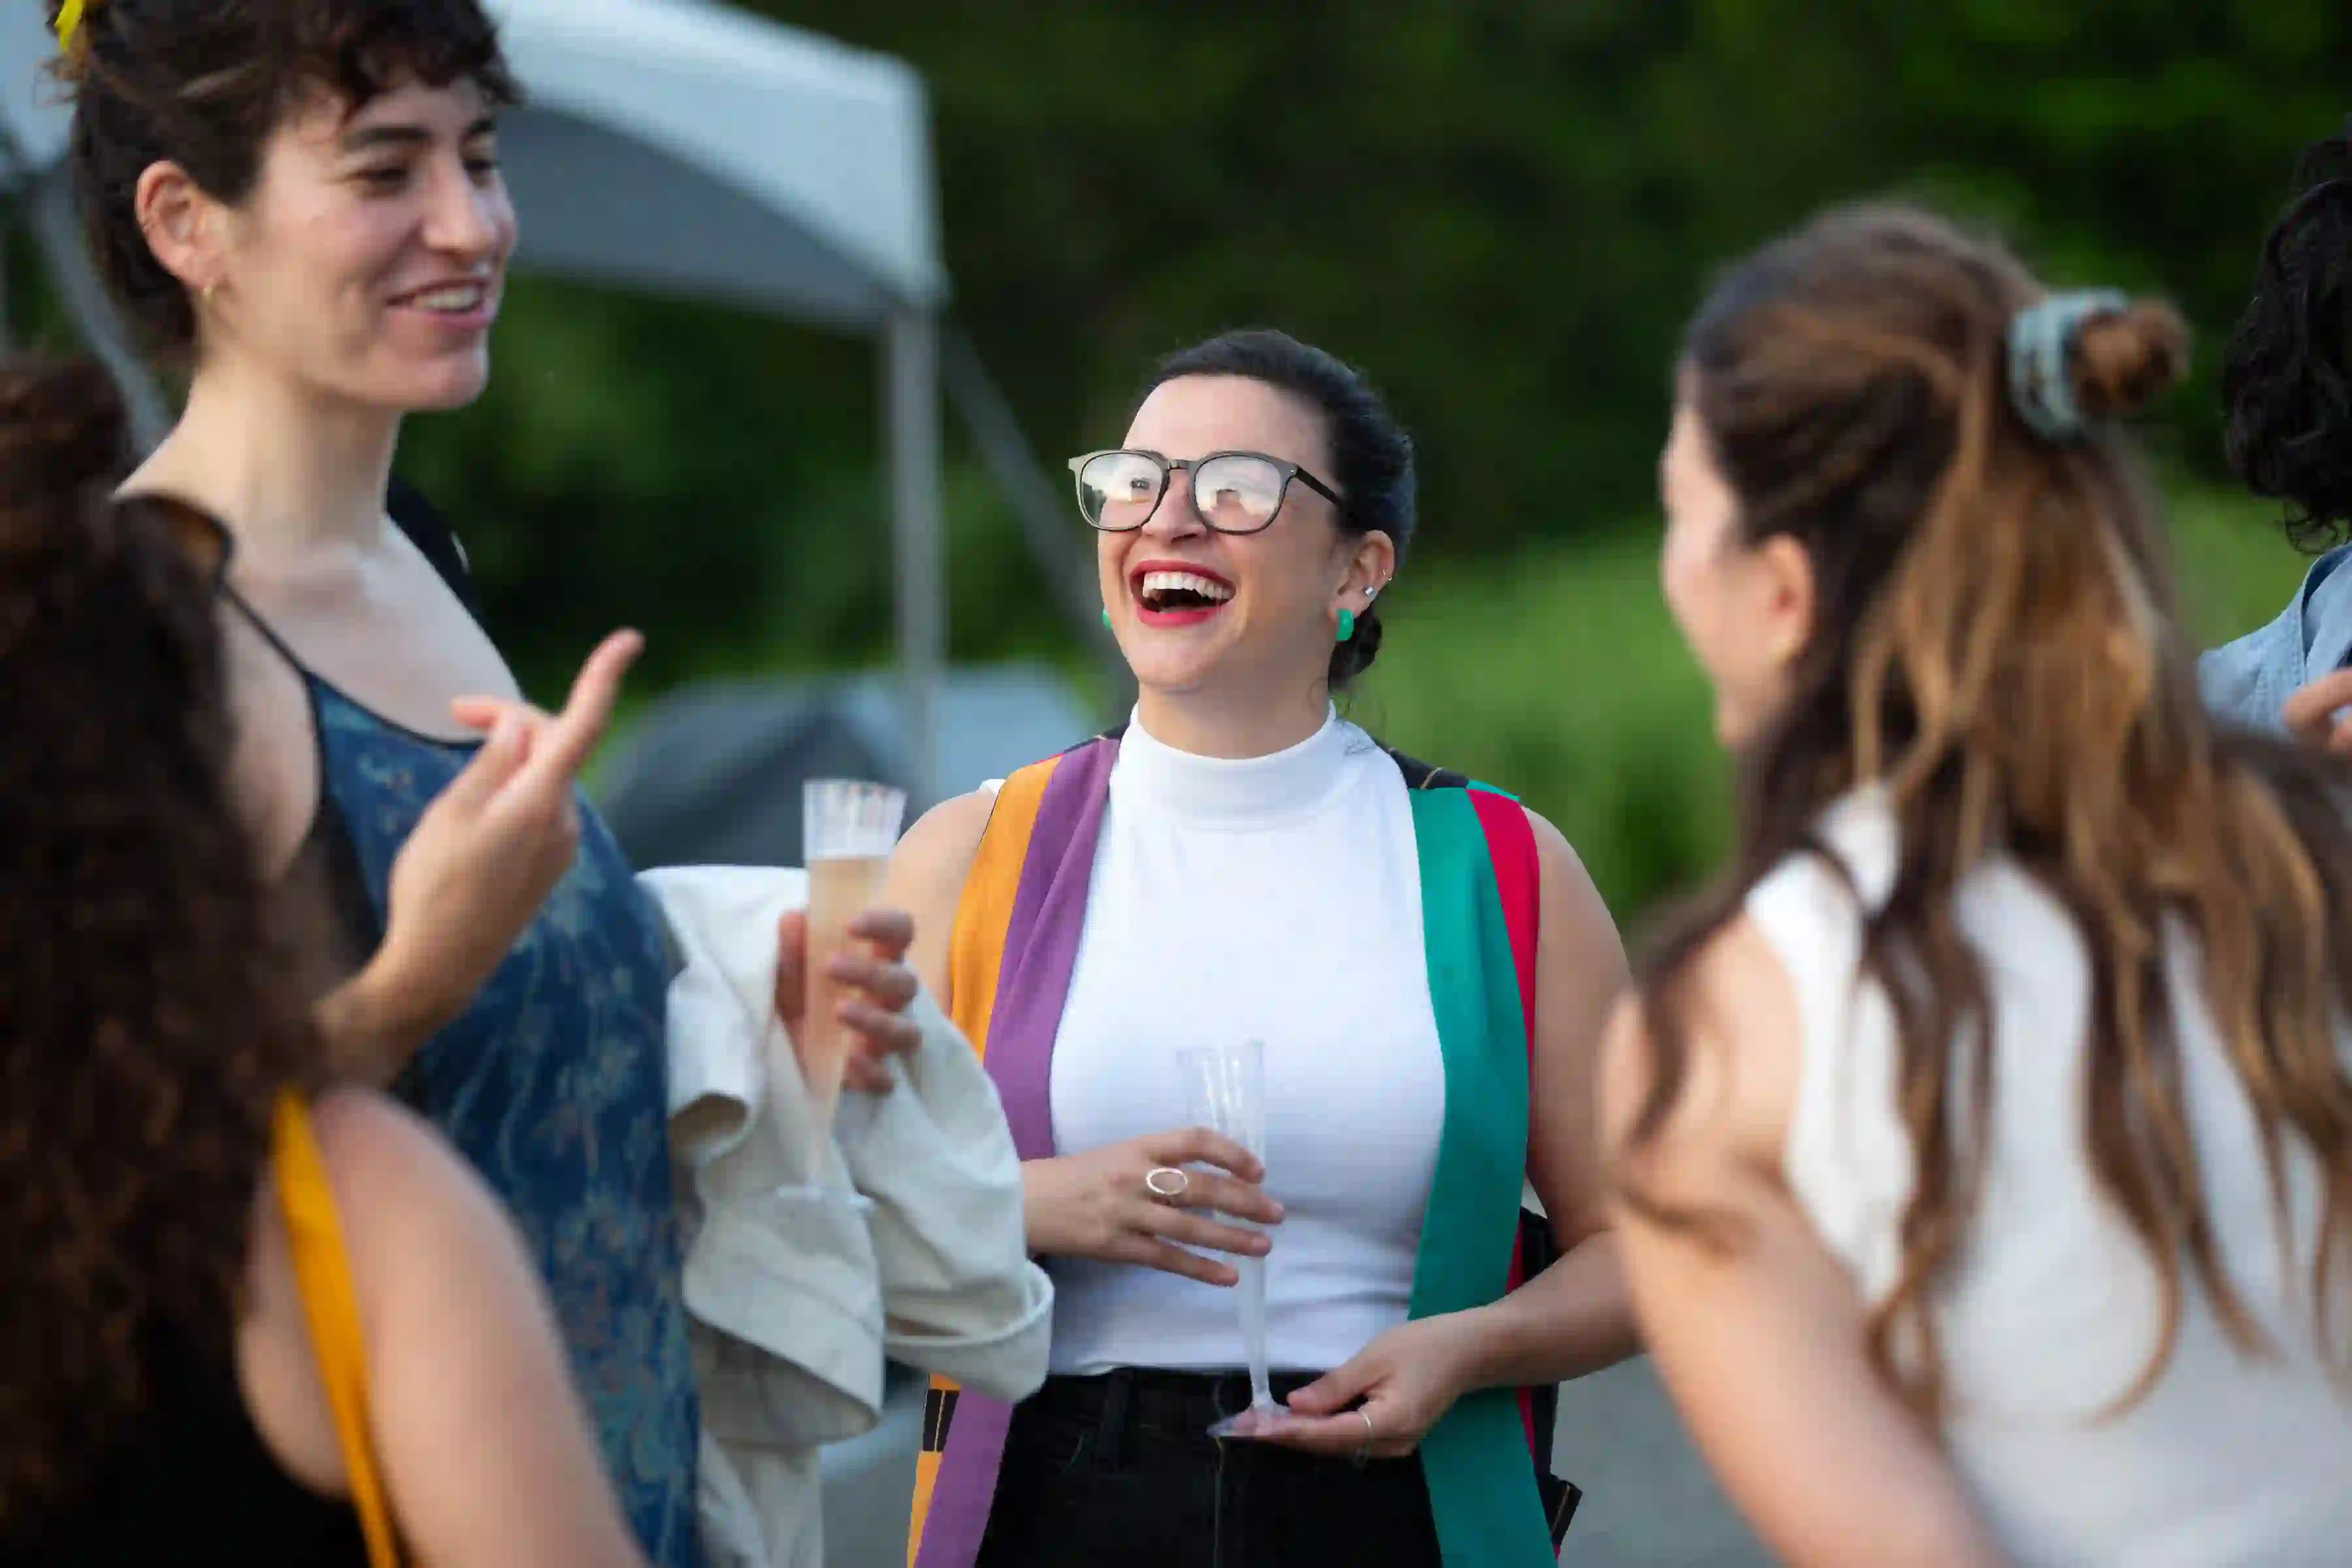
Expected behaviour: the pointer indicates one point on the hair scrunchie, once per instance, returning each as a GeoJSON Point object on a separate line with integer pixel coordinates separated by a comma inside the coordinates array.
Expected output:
{"type": "Point", "coordinates": [2041, 341]}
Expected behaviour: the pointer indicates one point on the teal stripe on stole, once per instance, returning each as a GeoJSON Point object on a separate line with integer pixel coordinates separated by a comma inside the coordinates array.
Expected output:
{"type": "Point", "coordinates": [1481, 1477]}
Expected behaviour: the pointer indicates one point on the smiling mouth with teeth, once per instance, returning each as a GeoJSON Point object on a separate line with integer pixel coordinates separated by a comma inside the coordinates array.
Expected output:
{"type": "Point", "coordinates": [1174, 592]}
{"type": "Point", "coordinates": [457, 300]}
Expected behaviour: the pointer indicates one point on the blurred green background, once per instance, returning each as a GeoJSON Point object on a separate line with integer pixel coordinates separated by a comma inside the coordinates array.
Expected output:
{"type": "Point", "coordinates": [1501, 209]}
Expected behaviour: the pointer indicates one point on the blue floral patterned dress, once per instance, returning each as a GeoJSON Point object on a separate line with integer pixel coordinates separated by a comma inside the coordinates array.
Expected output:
{"type": "Point", "coordinates": [555, 1084]}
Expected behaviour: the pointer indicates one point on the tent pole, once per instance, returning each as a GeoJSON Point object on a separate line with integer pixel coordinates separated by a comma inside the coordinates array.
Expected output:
{"type": "Point", "coordinates": [57, 231]}
{"type": "Point", "coordinates": [911, 394]}
{"type": "Point", "coordinates": [1063, 551]}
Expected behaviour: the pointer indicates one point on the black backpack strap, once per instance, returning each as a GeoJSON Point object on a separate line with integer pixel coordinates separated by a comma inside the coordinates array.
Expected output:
{"type": "Point", "coordinates": [1419, 775]}
{"type": "Point", "coordinates": [417, 518]}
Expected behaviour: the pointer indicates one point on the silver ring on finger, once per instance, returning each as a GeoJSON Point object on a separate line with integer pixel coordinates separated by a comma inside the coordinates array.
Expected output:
{"type": "Point", "coordinates": [1364, 1449]}
{"type": "Point", "coordinates": [1165, 1184]}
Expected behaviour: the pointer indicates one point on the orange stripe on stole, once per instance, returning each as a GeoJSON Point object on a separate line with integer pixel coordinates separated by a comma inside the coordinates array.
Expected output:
{"type": "Point", "coordinates": [975, 961]}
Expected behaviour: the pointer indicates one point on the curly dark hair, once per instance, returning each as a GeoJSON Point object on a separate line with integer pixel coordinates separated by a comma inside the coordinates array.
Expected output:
{"type": "Point", "coordinates": [147, 1017]}
{"type": "Point", "coordinates": [2286, 375]}
{"type": "Point", "coordinates": [203, 86]}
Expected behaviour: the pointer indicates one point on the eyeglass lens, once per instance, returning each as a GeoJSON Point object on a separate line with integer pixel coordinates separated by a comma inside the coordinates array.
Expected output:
{"type": "Point", "coordinates": [1234, 493]}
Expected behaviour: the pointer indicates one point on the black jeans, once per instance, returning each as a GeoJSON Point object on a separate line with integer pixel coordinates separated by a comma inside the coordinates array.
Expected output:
{"type": "Point", "coordinates": [1120, 1469]}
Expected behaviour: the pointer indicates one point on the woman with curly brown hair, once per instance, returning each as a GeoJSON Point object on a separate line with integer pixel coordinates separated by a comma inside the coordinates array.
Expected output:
{"type": "Point", "coordinates": [1984, 1141]}
{"type": "Point", "coordinates": [161, 1399]}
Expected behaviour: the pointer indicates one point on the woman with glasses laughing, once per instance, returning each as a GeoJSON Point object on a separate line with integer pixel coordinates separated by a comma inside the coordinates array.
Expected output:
{"type": "Point", "coordinates": [1425, 964]}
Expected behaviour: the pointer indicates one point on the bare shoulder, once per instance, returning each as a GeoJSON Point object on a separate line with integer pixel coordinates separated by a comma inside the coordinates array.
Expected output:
{"type": "Point", "coordinates": [408, 1211]}
{"type": "Point", "coordinates": [484, 1444]}
{"type": "Point", "coordinates": [1568, 890]}
{"type": "Point", "coordinates": [927, 878]}
{"type": "Point", "coordinates": [370, 1140]}
{"type": "Point", "coordinates": [1730, 1071]}
{"type": "Point", "coordinates": [938, 849]}
{"type": "Point", "coordinates": [273, 766]}
{"type": "Point", "coordinates": [402, 1194]}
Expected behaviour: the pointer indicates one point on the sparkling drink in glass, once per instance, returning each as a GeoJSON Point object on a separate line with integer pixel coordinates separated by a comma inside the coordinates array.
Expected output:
{"type": "Point", "coordinates": [1227, 1089]}
{"type": "Point", "coordinates": [847, 831]}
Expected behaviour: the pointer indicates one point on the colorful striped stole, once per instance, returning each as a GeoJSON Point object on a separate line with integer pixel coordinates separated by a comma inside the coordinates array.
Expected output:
{"type": "Point", "coordinates": [1014, 947]}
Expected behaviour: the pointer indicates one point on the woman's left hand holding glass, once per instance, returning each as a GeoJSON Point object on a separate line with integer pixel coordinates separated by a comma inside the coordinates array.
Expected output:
{"type": "Point", "coordinates": [880, 985]}
{"type": "Point", "coordinates": [1384, 1400]}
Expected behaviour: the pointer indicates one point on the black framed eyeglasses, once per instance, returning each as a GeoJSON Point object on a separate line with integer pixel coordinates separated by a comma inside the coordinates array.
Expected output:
{"type": "Point", "coordinates": [1232, 492]}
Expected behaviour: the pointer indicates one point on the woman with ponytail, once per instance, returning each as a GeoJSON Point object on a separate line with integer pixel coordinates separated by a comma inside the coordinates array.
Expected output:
{"type": "Point", "coordinates": [1983, 1140]}
{"type": "Point", "coordinates": [163, 1403]}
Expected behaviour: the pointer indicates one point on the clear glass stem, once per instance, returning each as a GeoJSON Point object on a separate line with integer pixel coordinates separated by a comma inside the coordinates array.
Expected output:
{"type": "Point", "coordinates": [1253, 1308]}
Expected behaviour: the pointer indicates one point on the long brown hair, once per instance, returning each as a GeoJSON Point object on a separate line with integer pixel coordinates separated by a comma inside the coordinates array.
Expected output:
{"type": "Point", "coordinates": [146, 1021]}
{"type": "Point", "coordinates": [1996, 646]}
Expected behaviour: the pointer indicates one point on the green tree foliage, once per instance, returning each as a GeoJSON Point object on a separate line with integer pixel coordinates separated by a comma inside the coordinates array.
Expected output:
{"type": "Point", "coordinates": [1504, 208]}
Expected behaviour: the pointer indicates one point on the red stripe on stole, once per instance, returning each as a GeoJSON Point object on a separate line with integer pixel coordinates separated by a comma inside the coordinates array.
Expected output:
{"type": "Point", "coordinates": [1518, 877]}
{"type": "Point", "coordinates": [1518, 881]}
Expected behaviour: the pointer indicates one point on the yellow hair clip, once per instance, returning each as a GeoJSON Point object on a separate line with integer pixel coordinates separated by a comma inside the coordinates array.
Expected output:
{"type": "Point", "coordinates": [69, 23]}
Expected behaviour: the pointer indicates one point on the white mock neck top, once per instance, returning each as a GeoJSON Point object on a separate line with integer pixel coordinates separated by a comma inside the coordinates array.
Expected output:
{"type": "Point", "coordinates": [1276, 899]}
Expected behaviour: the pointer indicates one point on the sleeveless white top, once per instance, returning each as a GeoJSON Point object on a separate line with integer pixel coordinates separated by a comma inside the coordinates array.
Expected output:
{"type": "Point", "coordinates": [2054, 1312]}
{"type": "Point", "coordinates": [1276, 899]}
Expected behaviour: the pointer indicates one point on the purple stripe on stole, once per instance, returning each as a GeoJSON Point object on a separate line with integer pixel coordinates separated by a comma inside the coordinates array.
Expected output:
{"type": "Point", "coordinates": [1041, 949]}
{"type": "Point", "coordinates": [1041, 944]}
{"type": "Point", "coordinates": [967, 1482]}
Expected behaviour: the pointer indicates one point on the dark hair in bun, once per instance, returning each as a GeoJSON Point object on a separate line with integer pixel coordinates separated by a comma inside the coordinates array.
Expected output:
{"type": "Point", "coordinates": [1371, 456]}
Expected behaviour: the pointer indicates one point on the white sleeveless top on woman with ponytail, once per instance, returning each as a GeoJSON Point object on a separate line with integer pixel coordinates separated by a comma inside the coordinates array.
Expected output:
{"type": "Point", "coordinates": [2053, 1311]}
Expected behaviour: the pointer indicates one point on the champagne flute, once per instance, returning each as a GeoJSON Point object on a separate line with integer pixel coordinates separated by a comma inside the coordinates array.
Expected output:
{"type": "Point", "coordinates": [847, 831]}
{"type": "Point", "coordinates": [1225, 1087]}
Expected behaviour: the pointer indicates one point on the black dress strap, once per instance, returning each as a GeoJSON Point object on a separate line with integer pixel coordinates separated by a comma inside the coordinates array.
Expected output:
{"type": "Point", "coordinates": [430, 532]}
{"type": "Point", "coordinates": [261, 623]}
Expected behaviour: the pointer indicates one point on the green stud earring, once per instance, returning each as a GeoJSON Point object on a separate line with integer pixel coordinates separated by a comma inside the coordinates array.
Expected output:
{"type": "Point", "coordinates": [1107, 618]}
{"type": "Point", "coordinates": [1347, 625]}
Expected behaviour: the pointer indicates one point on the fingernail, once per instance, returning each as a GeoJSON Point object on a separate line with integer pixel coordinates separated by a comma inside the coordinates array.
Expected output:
{"type": "Point", "coordinates": [1278, 1212]}
{"type": "Point", "coordinates": [1260, 1246]}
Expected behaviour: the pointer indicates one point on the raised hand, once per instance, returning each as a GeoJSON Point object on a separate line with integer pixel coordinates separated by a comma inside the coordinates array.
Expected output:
{"type": "Point", "coordinates": [489, 850]}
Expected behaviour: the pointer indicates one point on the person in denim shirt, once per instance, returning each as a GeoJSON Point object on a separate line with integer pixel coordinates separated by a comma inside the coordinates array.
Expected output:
{"type": "Point", "coordinates": [2286, 384]}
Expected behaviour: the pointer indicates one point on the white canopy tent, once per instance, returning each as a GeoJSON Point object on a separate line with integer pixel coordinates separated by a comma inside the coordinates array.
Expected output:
{"type": "Point", "coordinates": [685, 149]}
